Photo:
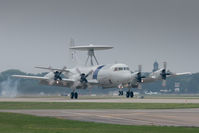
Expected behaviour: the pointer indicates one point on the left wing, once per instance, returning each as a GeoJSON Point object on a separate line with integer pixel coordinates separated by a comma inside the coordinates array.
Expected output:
{"type": "Point", "coordinates": [184, 73]}
{"type": "Point", "coordinates": [154, 78]}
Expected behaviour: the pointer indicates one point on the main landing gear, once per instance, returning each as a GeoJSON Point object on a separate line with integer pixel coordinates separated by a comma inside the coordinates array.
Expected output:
{"type": "Point", "coordinates": [74, 95]}
{"type": "Point", "coordinates": [129, 94]}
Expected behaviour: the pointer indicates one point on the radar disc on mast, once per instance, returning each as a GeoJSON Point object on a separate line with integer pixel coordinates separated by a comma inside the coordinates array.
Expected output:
{"type": "Point", "coordinates": [91, 51]}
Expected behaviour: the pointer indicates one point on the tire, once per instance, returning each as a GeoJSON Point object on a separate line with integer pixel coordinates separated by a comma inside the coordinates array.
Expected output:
{"type": "Point", "coordinates": [131, 94]}
{"type": "Point", "coordinates": [72, 95]}
{"type": "Point", "coordinates": [76, 95]}
{"type": "Point", "coordinates": [127, 94]}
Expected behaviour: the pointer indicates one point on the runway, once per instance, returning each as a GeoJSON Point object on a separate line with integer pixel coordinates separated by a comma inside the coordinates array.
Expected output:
{"type": "Point", "coordinates": [113, 100]}
{"type": "Point", "coordinates": [159, 117]}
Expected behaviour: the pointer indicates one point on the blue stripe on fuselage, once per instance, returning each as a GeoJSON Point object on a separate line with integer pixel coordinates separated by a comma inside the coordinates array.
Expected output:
{"type": "Point", "coordinates": [96, 72]}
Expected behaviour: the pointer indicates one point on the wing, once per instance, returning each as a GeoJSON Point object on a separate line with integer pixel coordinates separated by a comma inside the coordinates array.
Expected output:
{"type": "Point", "coordinates": [49, 81]}
{"type": "Point", "coordinates": [152, 79]}
{"type": "Point", "coordinates": [30, 77]}
{"type": "Point", "coordinates": [184, 73]}
{"type": "Point", "coordinates": [93, 82]}
{"type": "Point", "coordinates": [53, 69]}
{"type": "Point", "coordinates": [148, 79]}
{"type": "Point", "coordinates": [45, 80]}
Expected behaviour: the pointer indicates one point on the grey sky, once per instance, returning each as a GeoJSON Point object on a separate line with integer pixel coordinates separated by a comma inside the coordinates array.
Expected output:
{"type": "Point", "coordinates": [37, 32]}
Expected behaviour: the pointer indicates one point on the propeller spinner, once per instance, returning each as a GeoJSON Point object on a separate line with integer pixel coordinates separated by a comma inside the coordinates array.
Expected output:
{"type": "Point", "coordinates": [164, 74]}
{"type": "Point", "coordinates": [57, 74]}
{"type": "Point", "coordinates": [83, 76]}
{"type": "Point", "coordinates": [139, 77]}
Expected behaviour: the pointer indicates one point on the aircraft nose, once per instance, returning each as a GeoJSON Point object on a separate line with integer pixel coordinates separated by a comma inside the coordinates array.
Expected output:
{"type": "Point", "coordinates": [127, 77]}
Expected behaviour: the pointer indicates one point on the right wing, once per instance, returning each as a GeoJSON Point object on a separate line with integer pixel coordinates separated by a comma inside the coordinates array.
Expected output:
{"type": "Point", "coordinates": [40, 78]}
{"type": "Point", "coordinates": [93, 82]}
{"type": "Point", "coordinates": [45, 80]}
{"type": "Point", "coordinates": [53, 69]}
{"type": "Point", "coordinates": [30, 77]}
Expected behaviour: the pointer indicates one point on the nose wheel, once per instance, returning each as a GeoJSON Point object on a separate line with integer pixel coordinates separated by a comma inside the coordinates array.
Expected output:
{"type": "Point", "coordinates": [129, 94]}
{"type": "Point", "coordinates": [120, 93]}
{"type": "Point", "coordinates": [74, 95]}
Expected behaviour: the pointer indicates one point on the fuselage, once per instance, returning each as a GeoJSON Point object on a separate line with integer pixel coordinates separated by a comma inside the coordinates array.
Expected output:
{"type": "Point", "coordinates": [108, 76]}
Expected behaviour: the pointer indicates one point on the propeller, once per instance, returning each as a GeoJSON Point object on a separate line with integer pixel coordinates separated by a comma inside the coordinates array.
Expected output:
{"type": "Point", "coordinates": [139, 77]}
{"type": "Point", "coordinates": [164, 74]}
{"type": "Point", "coordinates": [83, 76]}
{"type": "Point", "coordinates": [57, 74]}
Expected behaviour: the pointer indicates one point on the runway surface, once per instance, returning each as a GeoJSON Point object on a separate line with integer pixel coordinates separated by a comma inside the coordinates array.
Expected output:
{"type": "Point", "coordinates": [116, 100]}
{"type": "Point", "coordinates": [160, 117]}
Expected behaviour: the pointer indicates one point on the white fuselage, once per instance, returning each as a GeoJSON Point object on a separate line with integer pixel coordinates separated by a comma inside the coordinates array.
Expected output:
{"type": "Point", "coordinates": [107, 75]}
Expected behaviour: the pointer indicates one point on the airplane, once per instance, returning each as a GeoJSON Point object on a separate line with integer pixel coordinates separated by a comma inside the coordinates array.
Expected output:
{"type": "Point", "coordinates": [116, 75]}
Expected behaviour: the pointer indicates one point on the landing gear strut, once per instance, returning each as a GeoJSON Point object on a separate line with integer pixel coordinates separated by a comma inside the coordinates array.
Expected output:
{"type": "Point", "coordinates": [129, 94]}
{"type": "Point", "coordinates": [74, 95]}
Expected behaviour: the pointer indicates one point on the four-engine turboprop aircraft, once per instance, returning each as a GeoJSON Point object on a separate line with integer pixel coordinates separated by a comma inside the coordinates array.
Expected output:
{"type": "Point", "coordinates": [105, 76]}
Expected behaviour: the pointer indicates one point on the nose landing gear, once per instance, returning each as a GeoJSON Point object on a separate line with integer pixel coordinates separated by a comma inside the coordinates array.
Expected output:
{"type": "Point", "coordinates": [120, 90]}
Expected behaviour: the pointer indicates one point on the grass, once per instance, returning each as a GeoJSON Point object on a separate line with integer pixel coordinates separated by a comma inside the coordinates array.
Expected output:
{"type": "Point", "coordinates": [19, 123]}
{"type": "Point", "coordinates": [76, 105]}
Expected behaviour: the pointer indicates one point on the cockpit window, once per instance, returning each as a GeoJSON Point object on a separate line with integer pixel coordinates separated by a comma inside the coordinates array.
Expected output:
{"type": "Point", "coordinates": [121, 69]}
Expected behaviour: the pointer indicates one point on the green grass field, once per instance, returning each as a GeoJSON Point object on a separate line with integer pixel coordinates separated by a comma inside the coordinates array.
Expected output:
{"type": "Point", "coordinates": [18, 123]}
{"type": "Point", "coordinates": [56, 105]}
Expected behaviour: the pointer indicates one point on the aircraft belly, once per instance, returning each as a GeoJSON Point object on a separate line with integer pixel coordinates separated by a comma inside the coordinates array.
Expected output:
{"type": "Point", "coordinates": [105, 79]}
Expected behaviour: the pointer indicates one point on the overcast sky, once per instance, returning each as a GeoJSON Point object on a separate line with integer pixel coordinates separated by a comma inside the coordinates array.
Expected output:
{"type": "Point", "coordinates": [38, 32]}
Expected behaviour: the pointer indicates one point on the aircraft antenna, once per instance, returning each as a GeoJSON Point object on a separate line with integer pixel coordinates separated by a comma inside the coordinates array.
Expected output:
{"type": "Point", "coordinates": [91, 52]}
